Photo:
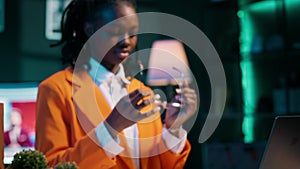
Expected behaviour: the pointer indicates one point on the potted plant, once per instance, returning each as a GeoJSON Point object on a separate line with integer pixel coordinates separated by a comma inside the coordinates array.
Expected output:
{"type": "Point", "coordinates": [66, 165]}
{"type": "Point", "coordinates": [29, 159]}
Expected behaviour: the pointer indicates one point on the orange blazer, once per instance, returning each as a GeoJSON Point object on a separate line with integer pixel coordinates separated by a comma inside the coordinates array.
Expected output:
{"type": "Point", "coordinates": [70, 106]}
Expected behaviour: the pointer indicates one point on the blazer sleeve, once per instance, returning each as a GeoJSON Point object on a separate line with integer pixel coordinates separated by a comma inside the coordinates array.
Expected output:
{"type": "Point", "coordinates": [171, 160]}
{"type": "Point", "coordinates": [167, 159]}
{"type": "Point", "coordinates": [53, 133]}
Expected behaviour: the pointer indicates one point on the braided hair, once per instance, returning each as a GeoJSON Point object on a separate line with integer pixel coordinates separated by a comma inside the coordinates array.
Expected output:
{"type": "Point", "coordinates": [75, 15]}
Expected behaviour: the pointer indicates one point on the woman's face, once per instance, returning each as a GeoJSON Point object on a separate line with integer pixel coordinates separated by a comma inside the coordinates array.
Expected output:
{"type": "Point", "coordinates": [15, 118]}
{"type": "Point", "coordinates": [116, 40]}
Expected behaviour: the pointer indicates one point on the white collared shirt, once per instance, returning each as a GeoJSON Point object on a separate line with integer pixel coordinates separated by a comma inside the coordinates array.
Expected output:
{"type": "Point", "coordinates": [108, 83]}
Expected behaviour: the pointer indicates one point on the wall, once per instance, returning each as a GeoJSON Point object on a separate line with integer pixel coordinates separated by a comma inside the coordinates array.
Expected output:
{"type": "Point", "coordinates": [26, 55]}
{"type": "Point", "coordinates": [25, 52]}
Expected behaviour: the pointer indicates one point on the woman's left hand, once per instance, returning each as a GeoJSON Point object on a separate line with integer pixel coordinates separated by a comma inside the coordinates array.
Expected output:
{"type": "Point", "coordinates": [176, 116]}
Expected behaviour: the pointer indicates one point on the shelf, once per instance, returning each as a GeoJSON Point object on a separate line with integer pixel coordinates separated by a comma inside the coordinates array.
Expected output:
{"type": "Point", "coordinates": [258, 126]}
{"type": "Point", "coordinates": [284, 57]}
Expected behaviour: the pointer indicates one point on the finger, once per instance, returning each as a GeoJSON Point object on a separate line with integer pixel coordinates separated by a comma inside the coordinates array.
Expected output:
{"type": "Point", "coordinates": [185, 83]}
{"type": "Point", "coordinates": [143, 104]}
{"type": "Point", "coordinates": [185, 93]}
{"type": "Point", "coordinates": [153, 100]}
{"type": "Point", "coordinates": [156, 100]}
{"type": "Point", "coordinates": [189, 95]}
{"type": "Point", "coordinates": [137, 92]}
{"type": "Point", "coordinates": [189, 101]}
{"type": "Point", "coordinates": [190, 104]}
{"type": "Point", "coordinates": [179, 98]}
{"type": "Point", "coordinates": [182, 97]}
{"type": "Point", "coordinates": [134, 93]}
{"type": "Point", "coordinates": [136, 98]}
{"type": "Point", "coordinates": [150, 113]}
{"type": "Point", "coordinates": [178, 90]}
{"type": "Point", "coordinates": [185, 90]}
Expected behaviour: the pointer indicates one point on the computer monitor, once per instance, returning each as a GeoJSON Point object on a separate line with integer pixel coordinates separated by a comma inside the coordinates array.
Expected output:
{"type": "Point", "coordinates": [1, 136]}
{"type": "Point", "coordinates": [19, 101]}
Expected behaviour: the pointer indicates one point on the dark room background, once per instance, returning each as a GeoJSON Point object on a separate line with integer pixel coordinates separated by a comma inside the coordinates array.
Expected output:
{"type": "Point", "coordinates": [258, 42]}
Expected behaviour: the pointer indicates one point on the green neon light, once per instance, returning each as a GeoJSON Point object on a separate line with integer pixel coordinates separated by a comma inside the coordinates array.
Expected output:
{"type": "Point", "coordinates": [292, 4]}
{"type": "Point", "coordinates": [248, 75]}
{"type": "Point", "coordinates": [248, 81]}
{"type": "Point", "coordinates": [241, 14]}
{"type": "Point", "coordinates": [249, 88]}
{"type": "Point", "coordinates": [263, 6]}
{"type": "Point", "coordinates": [248, 129]}
{"type": "Point", "coordinates": [246, 34]}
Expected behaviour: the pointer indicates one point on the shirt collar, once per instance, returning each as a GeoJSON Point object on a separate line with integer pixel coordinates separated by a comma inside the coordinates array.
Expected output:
{"type": "Point", "coordinates": [100, 74]}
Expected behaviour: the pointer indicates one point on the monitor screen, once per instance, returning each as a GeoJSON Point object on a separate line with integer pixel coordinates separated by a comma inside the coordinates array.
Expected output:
{"type": "Point", "coordinates": [19, 101]}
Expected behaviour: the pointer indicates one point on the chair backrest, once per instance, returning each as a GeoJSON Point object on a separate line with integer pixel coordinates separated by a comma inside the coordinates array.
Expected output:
{"type": "Point", "coordinates": [1, 136]}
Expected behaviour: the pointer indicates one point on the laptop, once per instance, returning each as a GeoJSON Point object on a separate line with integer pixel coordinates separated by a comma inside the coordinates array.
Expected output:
{"type": "Point", "coordinates": [283, 147]}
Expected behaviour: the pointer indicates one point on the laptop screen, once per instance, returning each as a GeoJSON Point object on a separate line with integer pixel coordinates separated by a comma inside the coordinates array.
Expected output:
{"type": "Point", "coordinates": [283, 147]}
{"type": "Point", "coordinates": [19, 117]}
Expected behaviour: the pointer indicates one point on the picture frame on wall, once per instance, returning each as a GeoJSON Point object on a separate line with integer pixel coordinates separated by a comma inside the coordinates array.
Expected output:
{"type": "Point", "coordinates": [2, 15]}
{"type": "Point", "coordinates": [54, 11]}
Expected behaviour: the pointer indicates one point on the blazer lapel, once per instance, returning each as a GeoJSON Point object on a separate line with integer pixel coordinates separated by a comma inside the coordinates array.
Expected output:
{"type": "Point", "coordinates": [92, 107]}
{"type": "Point", "coordinates": [90, 104]}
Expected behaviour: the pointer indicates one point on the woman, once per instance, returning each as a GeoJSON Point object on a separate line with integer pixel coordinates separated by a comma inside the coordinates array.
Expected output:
{"type": "Point", "coordinates": [16, 136]}
{"type": "Point", "coordinates": [91, 113]}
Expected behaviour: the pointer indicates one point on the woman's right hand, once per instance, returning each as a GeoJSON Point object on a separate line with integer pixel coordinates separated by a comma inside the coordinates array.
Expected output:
{"type": "Point", "coordinates": [127, 110]}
